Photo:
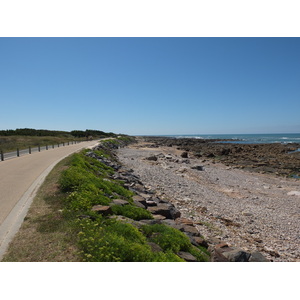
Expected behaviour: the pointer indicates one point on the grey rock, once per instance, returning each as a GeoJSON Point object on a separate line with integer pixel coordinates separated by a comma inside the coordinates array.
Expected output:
{"type": "Point", "coordinates": [150, 203]}
{"type": "Point", "coordinates": [257, 257]}
{"type": "Point", "coordinates": [198, 168]}
{"type": "Point", "coordinates": [184, 154]}
{"type": "Point", "coordinates": [120, 202]}
{"type": "Point", "coordinates": [187, 256]}
{"type": "Point", "coordinates": [152, 158]}
{"type": "Point", "coordinates": [139, 204]}
{"type": "Point", "coordinates": [167, 210]}
{"type": "Point", "coordinates": [198, 241]}
{"type": "Point", "coordinates": [102, 209]}
{"type": "Point", "coordinates": [237, 255]}
{"type": "Point", "coordinates": [190, 230]}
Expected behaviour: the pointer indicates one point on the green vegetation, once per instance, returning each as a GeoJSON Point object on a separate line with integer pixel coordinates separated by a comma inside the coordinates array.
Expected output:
{"type": "Point", "coordinates": [171, 239]}
{"type": "Point", "coordinates": [44, 132]}
{"type": "Point", "coordinates": [11, 143]}
{"type": "Point", "coordinates": [87, 182]}
{"type": "Point", "coordinates": [111, 241]}
{"type": "Point", "coordinates": [24, 138]}
{"type": "Point", "coordinates": [64, 220]}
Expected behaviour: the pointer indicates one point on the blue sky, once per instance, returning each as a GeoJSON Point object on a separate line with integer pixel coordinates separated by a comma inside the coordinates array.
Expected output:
{"type": "Point", "coordinates": [151, 85]}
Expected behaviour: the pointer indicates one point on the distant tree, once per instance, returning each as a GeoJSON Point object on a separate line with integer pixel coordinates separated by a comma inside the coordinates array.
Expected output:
{"type": "Point", "coordinates": [44, 132]}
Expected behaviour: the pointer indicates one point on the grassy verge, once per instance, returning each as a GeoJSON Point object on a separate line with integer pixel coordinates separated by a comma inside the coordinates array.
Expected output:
{"type": "Point", "coordinates": [11, 143]}
{"type": "Point", "coordinates": [61, 225]}
{"type": "Point", "coordinates": [45, 234]}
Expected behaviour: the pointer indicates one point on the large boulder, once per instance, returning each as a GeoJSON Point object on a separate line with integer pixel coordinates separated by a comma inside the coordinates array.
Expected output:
{"type": "Point", "coordinates": [167, 210]}
{"type": "Point", "coordinates": [237, 255]}
{"type": "Point", "coordinates": [257, 257]}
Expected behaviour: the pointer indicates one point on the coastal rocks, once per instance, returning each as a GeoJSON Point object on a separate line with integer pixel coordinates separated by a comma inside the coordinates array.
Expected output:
{"type": "Point", "coordinates": [198, 168]}
{"type": "Point", "coordinates": [153, 158]}
{"type": "Point", "coordinates": [257, 257]}
{"type": "Point", "coordinates": [237, 256]}
{"type": "Point", "coordinates": [167, 210]}
{"type": "Point", "coordinates": [187, 256]}
{"type": "Point", "coordinates": [201, 226]}
{"type": "Point", "coordinates": [184, 154]}
{"type": "Point", "coordinates": [139, 201]}
{"type": "Point", "coordinates": [223, 253]}
{"type": "Point", "coordinates": [275, 158]}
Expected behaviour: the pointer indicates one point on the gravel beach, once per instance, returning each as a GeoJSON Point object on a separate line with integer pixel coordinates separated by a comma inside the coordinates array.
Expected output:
{"type": "Point", "coordinates": [256, 212]}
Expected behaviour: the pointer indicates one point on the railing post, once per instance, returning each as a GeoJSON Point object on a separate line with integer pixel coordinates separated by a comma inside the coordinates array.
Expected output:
{"type": "Point", "coordinates": [39, 148]}
{"type": "Point", "coordinates": [29, 150]}
{"type": "Point", "coordinates": [46, 147]}
{"type": "Point", "coordinates": [2, 156]}
{"type": "Point", "coordinates": [18, 152]}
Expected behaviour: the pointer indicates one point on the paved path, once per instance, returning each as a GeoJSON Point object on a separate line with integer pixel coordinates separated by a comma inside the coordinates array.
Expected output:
{"type": "Point", "coordinates": [20, 179]}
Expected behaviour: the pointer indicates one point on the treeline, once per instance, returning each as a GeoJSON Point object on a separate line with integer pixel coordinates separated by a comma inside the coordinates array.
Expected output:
{"type": "Point", "coordinates": [43, 132]}
{"type": "Point", "coordinates": [93, 133]}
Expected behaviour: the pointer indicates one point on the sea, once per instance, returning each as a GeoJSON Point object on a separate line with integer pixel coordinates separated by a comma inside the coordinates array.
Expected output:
{"type": "Point", "coordinates": [283, 138]}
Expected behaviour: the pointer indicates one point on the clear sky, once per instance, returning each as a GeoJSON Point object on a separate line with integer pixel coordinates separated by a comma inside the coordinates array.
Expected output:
{"type": "Point", "coordinates": [151, 85]}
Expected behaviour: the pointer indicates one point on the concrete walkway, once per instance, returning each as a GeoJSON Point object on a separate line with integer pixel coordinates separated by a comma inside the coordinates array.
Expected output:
{"type": "Point", "coordinates": [20, 179]}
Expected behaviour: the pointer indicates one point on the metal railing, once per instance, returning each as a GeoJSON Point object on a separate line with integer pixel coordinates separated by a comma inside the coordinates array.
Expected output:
{"type": "Point", "coordinates": [30, 150]}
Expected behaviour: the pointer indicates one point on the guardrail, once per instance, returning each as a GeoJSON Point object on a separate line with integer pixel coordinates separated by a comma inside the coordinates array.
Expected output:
{"type": "Point", "coordinates": [30, 150]}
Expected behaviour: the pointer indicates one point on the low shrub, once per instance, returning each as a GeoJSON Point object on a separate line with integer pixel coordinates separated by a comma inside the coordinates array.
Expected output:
{"type": "Point", "coordinates": [117, 241]}
{"type": "Point", "coordinates": [166, 237]}
{"type": "Point", "coordinates": [171, 239]}
{"type": "Point", "coordinates": [74, 177]}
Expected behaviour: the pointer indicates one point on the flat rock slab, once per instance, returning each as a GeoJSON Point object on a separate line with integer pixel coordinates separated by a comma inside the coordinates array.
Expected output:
{"type": "Point", "coordinates": [120, 202]}
{"type": "Point", "coordinates": [187, 256]}
{"type": "Point", "coordinates": [102, 209]}
{"type": "Point", "coordinates": [191, 230]}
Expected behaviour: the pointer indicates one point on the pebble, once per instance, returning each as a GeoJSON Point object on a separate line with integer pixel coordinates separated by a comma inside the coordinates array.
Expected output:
{"type": "Point", "coordinates": [274, 226]}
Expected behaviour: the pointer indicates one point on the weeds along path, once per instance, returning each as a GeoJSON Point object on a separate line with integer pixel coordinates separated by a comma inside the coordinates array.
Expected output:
{"type": "Point", "coordinates": [20, 178]}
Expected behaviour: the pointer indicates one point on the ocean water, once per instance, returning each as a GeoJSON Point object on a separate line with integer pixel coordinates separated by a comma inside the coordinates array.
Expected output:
{"type": "Point", "coordinates": [284, 138]}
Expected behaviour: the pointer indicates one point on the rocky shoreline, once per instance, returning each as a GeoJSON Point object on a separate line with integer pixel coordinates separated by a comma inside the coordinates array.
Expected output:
{"type": "Point", "coordinates": [276, 158]}
{"type": "Point", "coordinates": [243, 216]}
